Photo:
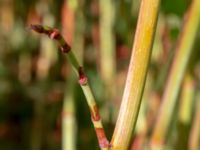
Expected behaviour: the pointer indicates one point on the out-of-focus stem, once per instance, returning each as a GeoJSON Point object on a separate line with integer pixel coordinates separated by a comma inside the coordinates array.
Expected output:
{"type": "Point", "coordinates": [83, 81]}
{"type": "Point", "coordinates": [71, 10]}
{"type": "Point", "coordinates": [69, 126]}
{"type": "Point", "coordinates": [107, 47]}
{"type": "Point", "coordinates": [185, 111]}
{"type": "Point", "coordinates": [136, 74]}
{"type": "Point", "coordinates": [195, 132]}
{"type": "Point", "coordinates": [147, 113]}
{"type": "Point", "coordinates": [186, 100]}
{"type": "Point", "coordinates": [183, 51]}
{"type": "Point", "coordinates": [134, 7]}
{"type": "Point", "coordinates": [68, 118]}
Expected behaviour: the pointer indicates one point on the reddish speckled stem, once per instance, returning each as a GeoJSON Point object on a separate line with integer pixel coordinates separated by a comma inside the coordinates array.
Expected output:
{"type": "Point", "coordinates": [83, 81]}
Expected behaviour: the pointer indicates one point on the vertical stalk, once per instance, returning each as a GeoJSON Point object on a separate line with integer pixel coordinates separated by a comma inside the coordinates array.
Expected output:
{"type": "Point", "coordinates": [185, 111]}
{"type": "Point", "coordinates": [135, 82]}
{"type": "Point", "coordinates": [77, 39]}
{"type": "Point", "coordinates": [194, 137]}
{"type": "Point", "coordinates": [69, 127]}
{"type": "Point", "coordinates": [107, 47]}
{"type": "Point", "coordinates": [183, 51]}
{"type": "Point", "coordinates": [68, 118]}
{"type": "Point", "coordinates": [186, 99]}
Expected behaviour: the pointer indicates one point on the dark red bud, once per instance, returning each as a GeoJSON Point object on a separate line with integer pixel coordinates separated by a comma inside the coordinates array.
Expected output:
{"type": "Point", "coordinates": [55, 35]}
{"type": "Point", "coordinates": [82, 77]}
{"type": "Point", "coordinates": [65, 48]}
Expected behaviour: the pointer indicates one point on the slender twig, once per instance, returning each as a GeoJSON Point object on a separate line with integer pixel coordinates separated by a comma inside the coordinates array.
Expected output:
{"type": "Point", "coordinates": [183, 51]}
{"type": "Point", "coordinates": [136, 75]}
{"type": "Point", "coordinates": [83, 81]}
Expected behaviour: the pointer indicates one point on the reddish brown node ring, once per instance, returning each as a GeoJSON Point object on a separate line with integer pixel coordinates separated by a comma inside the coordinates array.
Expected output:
{"type": "Point", "coordinates": [55, 34]}
{"type": "Point", "coordinates": [103, 142]}
{"type": "Point", "coordinates": [82, 77]}
{"type": "Point", "coordinates": [65, 48]}
{"type": "Point", "coordinates": [95, 113]}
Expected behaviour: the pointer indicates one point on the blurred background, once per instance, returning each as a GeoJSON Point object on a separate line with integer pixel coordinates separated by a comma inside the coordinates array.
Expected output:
{"type": "Point", "coordinates": [41, 103]}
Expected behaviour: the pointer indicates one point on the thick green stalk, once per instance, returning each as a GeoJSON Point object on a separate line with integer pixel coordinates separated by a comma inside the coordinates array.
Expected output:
{"type": "Point", "coordinates": [183, 51]}
{"type": "Point", "coordinates": [136, 74]}
{"type": "Point", "coordinates": [83, 81]}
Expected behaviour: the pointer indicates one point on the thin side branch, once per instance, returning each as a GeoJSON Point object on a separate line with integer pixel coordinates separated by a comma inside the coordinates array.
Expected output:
{"type": "Point", "coordinates": [83, 81]}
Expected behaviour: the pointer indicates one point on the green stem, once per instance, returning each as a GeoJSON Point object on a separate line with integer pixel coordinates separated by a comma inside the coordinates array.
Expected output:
{"type": "Point", "coordinates": [136, 74]}
{"type": "Point", "coordinates": [83, 81]}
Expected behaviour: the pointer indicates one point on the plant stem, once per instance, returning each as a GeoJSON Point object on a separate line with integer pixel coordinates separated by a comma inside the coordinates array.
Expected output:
{"type": "Point", "coordinates": [83, 81]}
{"type": "Point", "coordinates": [69, 127]}
{"type": "Point", "coordinates": [183, 51]}
{"type": "Point", "coordinates": [135, 82]}
{"type": "Point", "coordinates": [186, 99]}
{"type": "Point", "coordinates": [107, 55]}
{"type": "Point", "coordinates": [185, 111]}
{"type": "Point", "coordinates": [69, 124]}
{"type": "Point", "coordinates": [195, 131]}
